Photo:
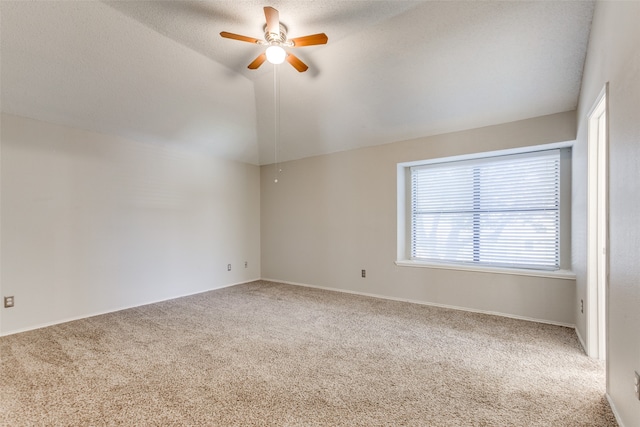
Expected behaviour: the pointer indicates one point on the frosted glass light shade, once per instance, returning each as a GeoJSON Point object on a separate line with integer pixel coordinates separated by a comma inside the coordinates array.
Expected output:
{"type": "Point", "coordinates": [275, 54]}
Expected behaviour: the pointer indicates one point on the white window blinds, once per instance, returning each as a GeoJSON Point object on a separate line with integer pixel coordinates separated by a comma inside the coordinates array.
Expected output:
{"type": "Point", "coordinates": [499, 211]}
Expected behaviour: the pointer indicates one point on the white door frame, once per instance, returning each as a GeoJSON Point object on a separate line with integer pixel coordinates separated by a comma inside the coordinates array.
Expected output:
{"type": "Point", "coordinates": [598, 226]}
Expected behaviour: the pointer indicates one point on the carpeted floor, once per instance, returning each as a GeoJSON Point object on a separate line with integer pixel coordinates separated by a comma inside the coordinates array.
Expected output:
{"type": "Point", "coordinates": [264, 354]}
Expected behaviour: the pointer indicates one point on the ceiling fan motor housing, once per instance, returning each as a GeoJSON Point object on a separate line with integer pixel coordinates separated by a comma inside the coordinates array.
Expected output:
{"type": "Point", "coordinates": [277, 39]}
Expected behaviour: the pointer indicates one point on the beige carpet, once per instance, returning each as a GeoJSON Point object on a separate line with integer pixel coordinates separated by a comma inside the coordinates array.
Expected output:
{"type": "Point", "coordinates": [266, 354]}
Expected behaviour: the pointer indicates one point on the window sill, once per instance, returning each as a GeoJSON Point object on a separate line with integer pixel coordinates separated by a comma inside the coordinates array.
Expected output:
{"type": "Point", "coordinates": [558, 274]}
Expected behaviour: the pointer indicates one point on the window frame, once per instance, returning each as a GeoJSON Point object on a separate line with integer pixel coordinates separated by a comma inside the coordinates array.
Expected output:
{"type": "Point", "coordinates": [404, 241]}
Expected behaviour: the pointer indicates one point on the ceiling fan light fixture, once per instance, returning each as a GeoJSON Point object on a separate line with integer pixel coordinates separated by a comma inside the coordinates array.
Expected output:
{"type": "Point", "coordinates": [275, 54]}
{"type": "Point", "coordinates": [275, 38]}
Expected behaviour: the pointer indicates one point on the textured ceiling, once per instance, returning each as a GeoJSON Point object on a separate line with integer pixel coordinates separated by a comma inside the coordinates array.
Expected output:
{"type": "Point", "coordinates": [158, 71]}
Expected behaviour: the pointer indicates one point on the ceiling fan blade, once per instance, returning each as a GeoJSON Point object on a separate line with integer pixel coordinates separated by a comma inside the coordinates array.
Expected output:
{"type": "Point", "coordinates": [297, 64]}
{"type": "Point", "coordinates": [258, 61]}
{"type": "Point", "coordinates": [273, 20]}
{"type": "Point", "coordinates": [313, 39]}
{"type": "Point", "coordinates": [239, 37]}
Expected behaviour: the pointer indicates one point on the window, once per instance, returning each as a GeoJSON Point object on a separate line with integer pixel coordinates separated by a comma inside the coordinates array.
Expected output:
{"type": "Point", "coordinates": [501, 211]}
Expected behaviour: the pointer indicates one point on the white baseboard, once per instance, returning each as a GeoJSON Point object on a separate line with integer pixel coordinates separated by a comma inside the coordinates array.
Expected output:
{"type": "Point", "coordinates": [433, 304]}
{"type": "Point", "coordinates": [71, 319]}
{"type": "Point", "coordinates": [452, 307]}
{"type": "Point", "coordinates": [582, 343]}
{"type": "Point", "coordinates": [614, 410]}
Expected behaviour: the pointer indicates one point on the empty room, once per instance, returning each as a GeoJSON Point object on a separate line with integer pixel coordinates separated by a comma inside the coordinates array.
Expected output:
{"type": "Point", "coordinates": [319, 213]}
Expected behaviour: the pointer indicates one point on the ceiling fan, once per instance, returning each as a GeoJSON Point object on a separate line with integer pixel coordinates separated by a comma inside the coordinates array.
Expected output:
{"type": "Point", "coordinates": [275, 37]}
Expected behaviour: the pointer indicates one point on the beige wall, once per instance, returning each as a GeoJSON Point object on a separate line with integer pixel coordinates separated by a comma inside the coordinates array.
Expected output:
{"type": "Point", "coordinates": [331, 216]}
{"type": "Point", "coordinates": [93, 223]}
{"type": "Point", "coordinates": [614, 57]}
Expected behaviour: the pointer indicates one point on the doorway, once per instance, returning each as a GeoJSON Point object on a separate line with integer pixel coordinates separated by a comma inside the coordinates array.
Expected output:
{"type": "Point", "coordinates": [597, 218]}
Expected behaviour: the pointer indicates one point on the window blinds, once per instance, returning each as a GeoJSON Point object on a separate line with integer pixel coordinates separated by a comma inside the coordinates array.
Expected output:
{"type": "Point", "coordinates": [499, 211]}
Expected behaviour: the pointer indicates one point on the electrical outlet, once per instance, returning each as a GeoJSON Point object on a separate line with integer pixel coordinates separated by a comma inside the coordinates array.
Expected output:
{"type": "Point", "coordinates": [637, 385]}
{"type": "Point", "coordinates": [228, 267]}
{"type": "Point", "coordinates": [8, 302]}
{"type": "Point", "coordinates": [581, 306]}
{"type": "Point", "coordinates": [364, 273]}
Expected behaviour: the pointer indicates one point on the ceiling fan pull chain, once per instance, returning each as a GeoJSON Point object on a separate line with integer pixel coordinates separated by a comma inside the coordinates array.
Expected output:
{"type": "Point", "coordinates": [276, 122]}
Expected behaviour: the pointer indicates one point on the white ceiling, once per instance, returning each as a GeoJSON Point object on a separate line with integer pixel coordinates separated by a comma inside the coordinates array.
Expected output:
{"type": "Point", "coordinates": [158, 71]}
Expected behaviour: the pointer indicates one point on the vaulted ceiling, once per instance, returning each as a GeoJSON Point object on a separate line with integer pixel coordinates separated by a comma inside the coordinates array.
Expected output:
{"type": "Point", "coordinates": [158, 71]}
